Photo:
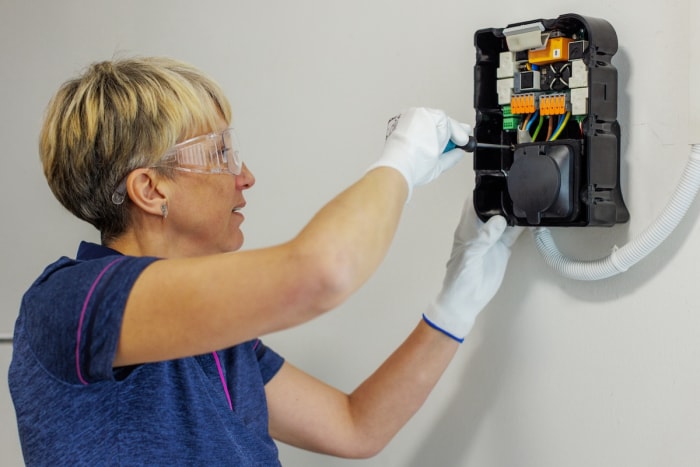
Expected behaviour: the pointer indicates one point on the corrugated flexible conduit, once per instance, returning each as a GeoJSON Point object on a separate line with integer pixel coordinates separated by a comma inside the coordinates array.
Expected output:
{"type": "Point", "coordinates": [622, 258]}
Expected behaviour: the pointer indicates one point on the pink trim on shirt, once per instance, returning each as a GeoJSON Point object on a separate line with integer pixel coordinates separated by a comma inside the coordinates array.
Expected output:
{"type": "Point", "coordinates": [223, 379]}
{"type": "Point", "coordinates": [82, 318]}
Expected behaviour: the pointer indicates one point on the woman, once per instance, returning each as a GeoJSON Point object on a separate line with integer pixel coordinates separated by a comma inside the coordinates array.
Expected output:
{"type": "Point", "coordinates": [145, 349]}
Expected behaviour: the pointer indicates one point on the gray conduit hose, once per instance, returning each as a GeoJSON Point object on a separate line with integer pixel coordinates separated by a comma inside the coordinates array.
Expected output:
{"type": "Point", "coordinates": [628, 255]}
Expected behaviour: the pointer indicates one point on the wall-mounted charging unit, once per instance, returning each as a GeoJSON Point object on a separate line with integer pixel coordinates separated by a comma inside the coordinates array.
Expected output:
{"type": "Point", "coordinates": [546, 91]}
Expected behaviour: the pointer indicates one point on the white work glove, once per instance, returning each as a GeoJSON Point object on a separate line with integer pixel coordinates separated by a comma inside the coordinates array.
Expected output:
{"type": "Point", "coordinates": [415, 143]}
{"type": "Point", "coordinates": [475, 271]}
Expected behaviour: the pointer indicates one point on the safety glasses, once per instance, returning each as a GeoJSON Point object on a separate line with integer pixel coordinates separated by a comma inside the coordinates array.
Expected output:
{"type": "Point", "coordinates": [209, 154]}
{"type": "Point", "coordinates": [213, 153]}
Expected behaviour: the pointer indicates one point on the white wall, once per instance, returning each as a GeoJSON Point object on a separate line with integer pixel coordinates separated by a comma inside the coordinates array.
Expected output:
{"type": "Point", "coordinates": [556, 372]}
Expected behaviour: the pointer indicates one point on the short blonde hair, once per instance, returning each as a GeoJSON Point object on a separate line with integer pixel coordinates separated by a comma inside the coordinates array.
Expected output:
{"type": "Point", "coordinates": [118, 116]}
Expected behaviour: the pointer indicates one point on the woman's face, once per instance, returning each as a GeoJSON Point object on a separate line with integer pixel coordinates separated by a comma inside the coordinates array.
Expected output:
{"type": "Point", "coordinates": [204, 211]}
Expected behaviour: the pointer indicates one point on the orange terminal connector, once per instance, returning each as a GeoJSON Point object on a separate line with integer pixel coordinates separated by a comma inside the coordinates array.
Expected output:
{"type": "Point", "coordinates": [523, 104]}
{"type": "Point", "coordinates": [553, 104]}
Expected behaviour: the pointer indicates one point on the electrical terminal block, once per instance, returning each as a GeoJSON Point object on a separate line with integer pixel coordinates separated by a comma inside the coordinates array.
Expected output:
{"type": "Point", "coordinates": [579, 74]}
{"type": "Point", "coordinates": [555, 50]}
{"type": "Point", "coordinates": [552, 104]}
{"type": "Point", "coordinates": [579, 101]}
{"type": "Point", "coordinates": [510, 122]}
{"type": "Point", "coordinates": [504, 89]}
{"type": "Point", "coordinates": [523, 103]}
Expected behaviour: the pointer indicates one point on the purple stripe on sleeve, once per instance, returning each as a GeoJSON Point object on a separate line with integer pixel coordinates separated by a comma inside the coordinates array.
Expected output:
{"type": "Point", "coordinates": [82, 318]}
{"type": "Point", "coordinates": [223, 380]}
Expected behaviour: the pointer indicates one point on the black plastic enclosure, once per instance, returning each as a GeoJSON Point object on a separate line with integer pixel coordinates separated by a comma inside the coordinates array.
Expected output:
{"type": "Point", "coordinates": [573, 179]}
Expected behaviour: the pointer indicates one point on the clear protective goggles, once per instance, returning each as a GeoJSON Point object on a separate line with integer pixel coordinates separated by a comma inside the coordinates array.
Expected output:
{"type": "Point", "coordinates": [213, 153]}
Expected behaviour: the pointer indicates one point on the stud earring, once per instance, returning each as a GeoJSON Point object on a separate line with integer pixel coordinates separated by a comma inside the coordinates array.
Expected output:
{"type": "Point", "coordinates": [164, 210]}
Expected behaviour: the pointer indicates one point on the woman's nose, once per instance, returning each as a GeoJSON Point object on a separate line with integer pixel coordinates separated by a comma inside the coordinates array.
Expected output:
{"type": "Point", "coordinates": [245, 179]}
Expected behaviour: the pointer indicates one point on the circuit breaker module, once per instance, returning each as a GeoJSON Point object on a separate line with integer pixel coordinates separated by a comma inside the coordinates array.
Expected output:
{"type": "Point", "coordinates": [546, 90]}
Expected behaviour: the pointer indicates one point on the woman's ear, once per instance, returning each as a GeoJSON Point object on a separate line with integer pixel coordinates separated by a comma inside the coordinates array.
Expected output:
{"type": "Point", "coordinates": [147, 190]}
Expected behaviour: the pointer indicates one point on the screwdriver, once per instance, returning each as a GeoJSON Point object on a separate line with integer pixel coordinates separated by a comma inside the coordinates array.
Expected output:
{"type": "Point", "coordinates": [472, 145]}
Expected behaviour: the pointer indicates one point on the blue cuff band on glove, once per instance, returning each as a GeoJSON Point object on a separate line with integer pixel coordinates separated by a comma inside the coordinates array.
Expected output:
{"type": "Point", "coordinates": [438, 328]}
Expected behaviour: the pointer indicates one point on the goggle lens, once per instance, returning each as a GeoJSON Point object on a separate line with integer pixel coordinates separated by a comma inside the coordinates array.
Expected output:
{"type": "Point", "coordinates": [232, 152]}
{"type": "Point", "coordinates": [211, 153]}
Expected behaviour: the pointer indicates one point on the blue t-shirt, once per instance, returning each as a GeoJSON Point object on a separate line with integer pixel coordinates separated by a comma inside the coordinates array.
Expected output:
{"type": "Point", "coordinates": [74, 408]}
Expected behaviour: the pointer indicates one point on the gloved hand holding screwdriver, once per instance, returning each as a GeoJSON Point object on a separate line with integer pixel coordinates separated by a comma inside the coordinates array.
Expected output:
{"type": "Point", "coordinates": [416, 142]}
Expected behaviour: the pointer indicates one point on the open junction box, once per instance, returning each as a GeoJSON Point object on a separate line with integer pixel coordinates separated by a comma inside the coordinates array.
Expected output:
{"type": "Point", "coordinates": [546, 91]}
